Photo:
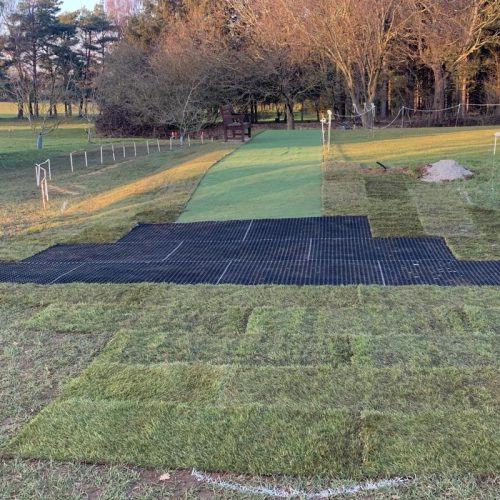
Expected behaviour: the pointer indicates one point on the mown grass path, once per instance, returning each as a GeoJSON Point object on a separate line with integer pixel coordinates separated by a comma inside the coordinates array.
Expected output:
{"type": "Point", "coordinates": [277, 174]}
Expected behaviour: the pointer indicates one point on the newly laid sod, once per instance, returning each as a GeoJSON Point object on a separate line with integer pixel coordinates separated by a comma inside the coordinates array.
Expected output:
{"type": "Point", "coordinates": [277, 174]}
{"type": "Point", "coordinates": [466, 213]}
{"type": "Point", "coordinates": [347, 382]}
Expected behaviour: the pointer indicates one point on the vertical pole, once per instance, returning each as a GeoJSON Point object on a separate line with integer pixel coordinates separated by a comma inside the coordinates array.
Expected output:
{"type": "Point", "coordinates": [86, 161]}
{"type": "Point", "coordinates": [102, 157]}
{"type": "Point", "coordinates": [71, 161]}
{"type": "Point", "coordinates": [37, 173]}
{"type": "Point", "coordinates": [43, 195]}
{"type": "Point", "coordinates": [147, 145]}
{"type": "Point", "coordinates": [113, 151]}
{"type": "Point", "coordinates": [50, 174]}
{"type": "Point", "coordinates": [323, 131]}
{"type": "Point", "coordinates": [403, 117]}
{"type": "Point", "coordinates": [135, 150]}
{"type": "Point", "coordinates": [124, 153]}
{"type": "Point", "coordinates": [170, 143]}
{"type": "Point", "coordinates": [158, 143]}
{"type": "Point", "coordinates": [189, 140]}
{"type": "Point", "coordinates": [202, 138]}
{"type": "Point", "coordinates": [329, 126]}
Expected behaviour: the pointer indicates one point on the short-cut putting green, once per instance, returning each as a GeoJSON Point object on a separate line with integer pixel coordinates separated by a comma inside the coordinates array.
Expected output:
{"type": "Point", "coordinates": [276, 175]}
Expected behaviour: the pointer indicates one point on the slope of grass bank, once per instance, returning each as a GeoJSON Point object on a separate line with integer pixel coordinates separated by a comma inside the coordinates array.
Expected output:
{"type": "Point", "coordinates": [100, 203]}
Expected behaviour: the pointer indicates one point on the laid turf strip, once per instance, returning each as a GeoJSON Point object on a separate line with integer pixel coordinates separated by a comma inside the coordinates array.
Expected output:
{"type": "Point", "coordinates": [276, 175]}
{"type": "Point", "coordinates": [312, 381]}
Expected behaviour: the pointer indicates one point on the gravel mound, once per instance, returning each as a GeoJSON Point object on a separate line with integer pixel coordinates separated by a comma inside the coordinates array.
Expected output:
{"type": "Point", "coordinates": [445, 170]}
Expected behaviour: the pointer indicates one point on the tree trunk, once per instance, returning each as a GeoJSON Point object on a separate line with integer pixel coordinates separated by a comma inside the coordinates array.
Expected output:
{"type": "Point", "coordinates": [383, 100]}
{"type": "Point", "coordinates": [464, 96]}
{"type": "Point", "coordinates": [20, 110]}
{"type": "Point", "coordinates": [290, 119]}
{"type": "Point", "coordinates": [439, 91]}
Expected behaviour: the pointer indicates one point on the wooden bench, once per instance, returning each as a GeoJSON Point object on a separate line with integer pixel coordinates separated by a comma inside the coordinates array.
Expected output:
{"type": "Point", "coordinates": [238, 123]}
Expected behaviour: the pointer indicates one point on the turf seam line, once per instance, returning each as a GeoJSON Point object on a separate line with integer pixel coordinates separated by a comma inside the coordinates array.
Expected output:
{"type": "Point", "coordinates": [164, 259]}
{"type": "Point", "coordinates": [290, 492]}
{"type": "Point", "coordinates": [381, 273]}
{"type": "Point", "coordinates": [224, 272]}
{"type": "Point", "coordinates": [67, 272]}
{"type": "Point", "coordinates": [310, 249]}
{"type": "Point", "coordinates": [248, 229]}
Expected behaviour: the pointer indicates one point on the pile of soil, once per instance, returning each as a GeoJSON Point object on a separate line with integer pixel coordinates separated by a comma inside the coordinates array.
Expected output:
{"type": "Point", "coordinates": [445, 170]}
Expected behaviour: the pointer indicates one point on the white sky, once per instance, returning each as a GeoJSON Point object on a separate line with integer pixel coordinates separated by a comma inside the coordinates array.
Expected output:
{"type": "Point", "coordinates": [71, 5]}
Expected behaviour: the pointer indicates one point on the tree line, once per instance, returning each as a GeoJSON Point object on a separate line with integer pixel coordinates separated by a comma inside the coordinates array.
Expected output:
{"type": "Point", "coordinates": [172, 63]}
{"type": "Point", "coordinates": [51, 58]}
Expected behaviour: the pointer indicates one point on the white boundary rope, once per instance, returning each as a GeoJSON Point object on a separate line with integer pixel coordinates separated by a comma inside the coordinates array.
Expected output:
{"type": "Point", "coordinates": [282, 493]}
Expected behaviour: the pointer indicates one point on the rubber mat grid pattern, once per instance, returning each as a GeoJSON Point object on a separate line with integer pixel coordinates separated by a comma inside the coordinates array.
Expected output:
{"type": "Point", "coordinates": [305, 251]}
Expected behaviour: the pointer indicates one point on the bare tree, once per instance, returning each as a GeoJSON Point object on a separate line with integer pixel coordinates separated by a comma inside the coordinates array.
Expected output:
{"type": "Point", "coordinates": [279, 52]}
{"type": "Point", "coordinates": [446, 34]}
{"type": "Point", "coordinates": [356, 36]}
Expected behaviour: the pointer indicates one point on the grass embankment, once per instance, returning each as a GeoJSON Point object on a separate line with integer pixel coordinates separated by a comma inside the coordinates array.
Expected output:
{"type": "Point", "coordinates": [276, 175]}
{"type": "Point", "coordinates": [465, 213]}
{"type": "Point", "coordinates": [95, 204]}
{"type": "Point", "coordinates": [347, 382]}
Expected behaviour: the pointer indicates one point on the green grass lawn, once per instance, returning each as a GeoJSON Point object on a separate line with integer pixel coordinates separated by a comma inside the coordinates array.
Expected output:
{"type": "Point", "coordinates": [465, 213]}
{"type": "Point", "coordinates": [275, 175]}
{"type": "Point", "coordinates": [308, 384]}
{"type": "Point", "coordinates": [94, 204]}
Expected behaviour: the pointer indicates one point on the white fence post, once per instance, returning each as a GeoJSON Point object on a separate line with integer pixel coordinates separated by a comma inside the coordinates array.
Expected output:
{"type": "Point", "coordinates": [86, 160]}
{"type": "Point", "coordinates": [124, 152]}
{"type": "Point", "coordinates": [147, 145]}
{"type": "Point", "coordinates": [102, 158]}
{"type": "Point", "coordinates": [50, 173]}
{"type": "Point", "coordinates": [329, 126]}
{"type": "Point", "coordinates": [171, 143]}
{"type": "Point", "coordinates": [37, 174]}
{"type": "Point", "coordinates": [135, 150]}
{"type": "Point", "coordinates": [113, 150]}
{"type": "Point", "coordinates": [202, 138]}
{"type": "Point", "coordinates": [71, 161]}
{"type": "Point", "coordinates": [158, 142]}
{"type": "Point", "coordinates": [323, 121]}
{"type": "Point", "coordinates": [189, 140]}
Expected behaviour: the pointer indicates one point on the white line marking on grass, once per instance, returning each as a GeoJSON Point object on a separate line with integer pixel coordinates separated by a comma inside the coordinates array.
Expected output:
{"type": "Point", "coordinates": [163, 260]}
{"type": "Point", "coordinates": [288, 493]}
{"type": "Point", "coordinates": [67, 272]}
{"type": "Point", "coordinates": [224, 272]}
{"type": "Point", "coordinates": [381, 272]}
{"type": "Point", "coordinates": [248, 229]}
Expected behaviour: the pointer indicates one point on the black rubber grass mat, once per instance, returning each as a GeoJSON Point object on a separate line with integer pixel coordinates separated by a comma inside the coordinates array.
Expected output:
{"type": "Point", "coordinates": [173, 272]}
{"type": "Point", "coordinates": [133, 252]}
{"type": "Point", "coordinates": [193, 231]}
{"type": "Point", "coordinates": [303, 272]}
{"type": "Point", "coordinates": [43, 273]}
{"type": "Point", "coordinates": [381, 249]}
{"type": "Point", "coordinates": [308, 251]}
